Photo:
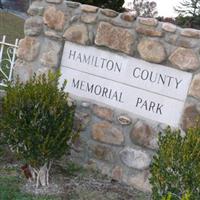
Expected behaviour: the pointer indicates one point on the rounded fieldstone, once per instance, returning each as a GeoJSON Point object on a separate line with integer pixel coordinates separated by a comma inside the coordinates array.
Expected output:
{"type": "Point", "coordinates": [33, 26]}
{"type": "Point", "coordinates": [189, 32]}
{"type": "Point", "coordinates": [148, 21]}
{"type": "Point", "coordinates": [53, 35]}
{"type": "Point", "coordinates": [142, 134]}
{"type": "Point", "coordinates": [43, 70]}
{"type": "Point", "coordinates": [149, 31]}
{"type": "Point", "coordinates": [77, 33]}
{"type": "Point", "coordinates": [36, 8]}
{"type": "Point", "coordinates": [124, 120]}
{"type": "Point", "coordinates": [190, 117]}
{"type": "Point", "coordinates": [103, 112]}
{"type": "Point", "coordinates": [54, 1]}
{"type": "Point", "coordinates": [171, 39]}
{"type": "Point", "coordinates": [88, 18]}
{"type": "Point", "coordinates": [81, 121]}
{"type": "Point", "coordinates": [117, 173]}
{"type": "Point", "coordinates": [91, 164]}
{"type": "Point", "coordinates": [135, 158]}
{"type": "Point", "coordinates": [85, 104]}
{"type": "Point", "coordinates": [109, 12]}
{"type": "Point", "coordinates": [54, 18]}
{"type": "Point", "coordinates": [107, 133]}
{"type": "Point", "coordinates": [152, 51]}
{"type": "Point", "coordinates": [104, 168]}
{"type": "Point", "coordinates": [50, 56]}
{"type": "Point", "coordinates": [72, 4]}
{"type": "Point", "coordinates": [22, 70]}
{"type": "Point", "coordinates": [187, 42]}
{"type": "Point", "coordinates": [140, 181]}
{"type": "Point", "coordinates": [127, 16]}
{"type": "Point", "coordinates": [89, 8]}
{"type": "Point", "coordinates": [28, 48]}
{"type": "Point", "coordinates": [169, 27]}
{"type": "Point", "coordinates": [102, 153]}
{"type": "Point", "coordinates": [185, 59]}
{"type": "Point", "coordinates": [195, 86]}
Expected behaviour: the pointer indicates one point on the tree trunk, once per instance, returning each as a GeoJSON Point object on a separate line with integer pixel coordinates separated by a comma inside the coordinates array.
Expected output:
{"type": "Point", "coordinates": [41, 176]}
{"type": "Point", "coordinates": [1, 4]}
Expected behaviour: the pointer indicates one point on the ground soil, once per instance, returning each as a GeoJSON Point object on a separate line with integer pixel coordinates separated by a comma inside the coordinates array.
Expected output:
{"type": "Point", "coordinates": [72, 182]}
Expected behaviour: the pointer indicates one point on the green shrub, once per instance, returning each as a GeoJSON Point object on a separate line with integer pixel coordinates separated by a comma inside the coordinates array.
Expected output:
{"type": "Point", "coordinates": [175, 168]}
{"type": "Point", "coordinates": [188, 21]}
{"type": "Point", "coordinates": [186, 196]}
{"type": "Point", "coordinates": [37, 122]}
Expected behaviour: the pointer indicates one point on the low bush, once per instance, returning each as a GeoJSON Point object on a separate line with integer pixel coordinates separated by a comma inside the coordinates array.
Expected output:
{"type": "Point", "coordinates": [175, 168]}
{"type": "Point", "coordinates": [37, 123]}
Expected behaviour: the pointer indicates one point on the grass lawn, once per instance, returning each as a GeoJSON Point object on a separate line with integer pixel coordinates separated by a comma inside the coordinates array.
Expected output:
{"type": "Point", "coordinates": [11, 26]}
{"type": "Point", "coordinates": [80, 185]}
{"type": "Point", "coordinates": [10, 183]}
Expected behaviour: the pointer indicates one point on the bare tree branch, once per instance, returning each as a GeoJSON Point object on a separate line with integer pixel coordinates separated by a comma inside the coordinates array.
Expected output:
{"type": "Point", "coordinates": [142, 8]}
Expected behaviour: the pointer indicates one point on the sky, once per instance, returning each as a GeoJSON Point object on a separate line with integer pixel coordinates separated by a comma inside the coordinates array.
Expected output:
{"type": "Point", "coordinates": [165, 7]}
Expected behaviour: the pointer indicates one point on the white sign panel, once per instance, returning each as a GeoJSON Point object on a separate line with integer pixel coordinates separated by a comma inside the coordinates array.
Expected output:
{"type": "Point", "coordinates": [152, 91]}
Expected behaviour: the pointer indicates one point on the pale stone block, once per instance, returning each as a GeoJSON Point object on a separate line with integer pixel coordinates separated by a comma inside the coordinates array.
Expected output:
{"type": "Point", "coordinates": [114, 37]}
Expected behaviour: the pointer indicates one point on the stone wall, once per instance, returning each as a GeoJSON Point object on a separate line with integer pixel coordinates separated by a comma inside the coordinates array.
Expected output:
{"type": "Point", "coordinates": [117, 144]}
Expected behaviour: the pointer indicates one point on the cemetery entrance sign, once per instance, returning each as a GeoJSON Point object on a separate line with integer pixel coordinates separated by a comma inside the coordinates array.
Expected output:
{"type": "Point", "coordinates": [149, 90]}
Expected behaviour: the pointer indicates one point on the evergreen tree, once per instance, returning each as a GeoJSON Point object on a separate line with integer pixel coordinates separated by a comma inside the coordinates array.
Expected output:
{"type": "Point", "coordinates": [189, 14]}
{"type": "Point", "coordinates": [189, 8]}
{"type": "Point", "coordinates": [114, 5]}
{"type": "Point", "coordinates": [37, 124]}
